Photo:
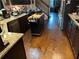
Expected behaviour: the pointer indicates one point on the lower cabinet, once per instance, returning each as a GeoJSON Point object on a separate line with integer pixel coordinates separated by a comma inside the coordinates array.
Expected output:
{"type": "Point", "coordinates": [20, 25]}
{"type": "Point", "coordinates": [24, 24]}
{"type": "Point", "coordinates": [37, 26]}
{"type": "Point", "coordinates": [74, 38]}
{"type": "Point", "coordinates": [13, 26]}
{"type": "Point", "coordinates": [16, 52]}
{"type": "Point", "coordinates": [72, 32]}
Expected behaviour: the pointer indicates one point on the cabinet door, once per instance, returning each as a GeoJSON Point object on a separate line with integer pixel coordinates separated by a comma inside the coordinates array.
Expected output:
{"type": "Point", "coordinates": [74, 38]}
{"type": "Point", "coordinates": [13, 26]}
{"type": "Point", "coordinates": [16, 52]}
{"type": "Point", "coordinates": [24, 24]}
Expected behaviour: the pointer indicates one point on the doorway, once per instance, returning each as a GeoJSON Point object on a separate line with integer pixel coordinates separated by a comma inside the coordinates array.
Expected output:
{"type": "Point", "coordinates": [54, 5]}
{"type": "Point", "coordinates": [51, 5]}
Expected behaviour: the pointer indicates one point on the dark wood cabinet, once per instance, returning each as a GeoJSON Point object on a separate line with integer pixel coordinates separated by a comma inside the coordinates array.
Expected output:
{"type": "Point", "coordinates": [20, 2]}
{"type": "Point", "coordinates": [16, 52]}
{"type": "Point", "coordinates": [19, 25]}
{"type": "Point", "coordinates": [73, 4]}
{"type": "Point", "coordinates": [13, 26]}
{"type": "Point", "coordinates": [74, 38]}
{"type": "Point", "coordinates": [72, 32]}
{"type": "Point", "coordinates": [70, 29]}
{"type": "Point", "coordinates": [37, 26]}
{"type": "Point", "coordinates": [24, 24]}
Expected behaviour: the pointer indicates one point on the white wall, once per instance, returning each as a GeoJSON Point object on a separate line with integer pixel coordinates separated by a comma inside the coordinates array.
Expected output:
{"type": "Point", "coordinates": [52, 3]}
{"type": "Point", "coordinates": [43, 6]}
{"type": "Point", "coordinates": [47, 1]}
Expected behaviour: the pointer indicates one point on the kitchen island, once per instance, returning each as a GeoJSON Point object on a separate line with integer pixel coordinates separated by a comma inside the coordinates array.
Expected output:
{"type": "Point", "coordinates": [37, 23]}
{"type": "Point", "coordinates": [15, 49]}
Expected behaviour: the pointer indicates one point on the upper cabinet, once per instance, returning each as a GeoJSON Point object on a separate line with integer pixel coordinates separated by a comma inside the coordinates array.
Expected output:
{"type": "Point", "coordinates": [20, 2]}
{"type": "Point", "coordinates": [74, 4]}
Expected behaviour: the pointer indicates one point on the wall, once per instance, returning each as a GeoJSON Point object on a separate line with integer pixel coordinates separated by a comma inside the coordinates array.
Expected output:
{"type": "Point", "coordinates": [44, 5]}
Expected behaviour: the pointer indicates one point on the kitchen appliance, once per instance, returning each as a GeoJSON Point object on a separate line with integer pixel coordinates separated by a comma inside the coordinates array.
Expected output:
{"type": "Point", "coordinates": [5, 14]}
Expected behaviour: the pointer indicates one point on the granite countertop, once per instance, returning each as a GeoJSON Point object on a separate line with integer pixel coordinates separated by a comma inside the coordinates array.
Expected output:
{"type": "Point", "coordinates": [12, 38]}
{"type": "Point", "coordinates": [2, 20]}
{"type": "Point", "coordinates": [36, 16]}
{"type": "Point", "coordinates": [73, 17]}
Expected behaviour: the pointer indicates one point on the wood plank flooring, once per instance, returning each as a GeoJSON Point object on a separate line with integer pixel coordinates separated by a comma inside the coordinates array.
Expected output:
{"type": "Point", "coordinates": [52, 44]}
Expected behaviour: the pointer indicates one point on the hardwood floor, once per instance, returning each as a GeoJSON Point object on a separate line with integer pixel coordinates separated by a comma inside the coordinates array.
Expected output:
{"type": "Point", "coordinates": [52, 44]}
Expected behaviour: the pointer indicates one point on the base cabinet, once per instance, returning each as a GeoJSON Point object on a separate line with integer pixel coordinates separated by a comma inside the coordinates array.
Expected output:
{"type": "Point", "coordinates": [13, 26]}
{"type": "Point", "coordinates": [37, 27]}
{"type": "Point", "coordinates": [24, 24]}
{"type": "Point", "coordinates": [72, 32]}
{"type": "Point", "coordinates": [16, 52]}
{"type": "Point", "coordinates": [19, 25]}
{"type": "Point", "coordinates": [74, 38]}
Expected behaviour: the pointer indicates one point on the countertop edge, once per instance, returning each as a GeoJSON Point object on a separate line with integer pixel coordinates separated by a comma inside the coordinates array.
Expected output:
{"type": "Point", "coordinates": [5, 51]}
{"type": "Point", "coordinates": [73, 19]}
